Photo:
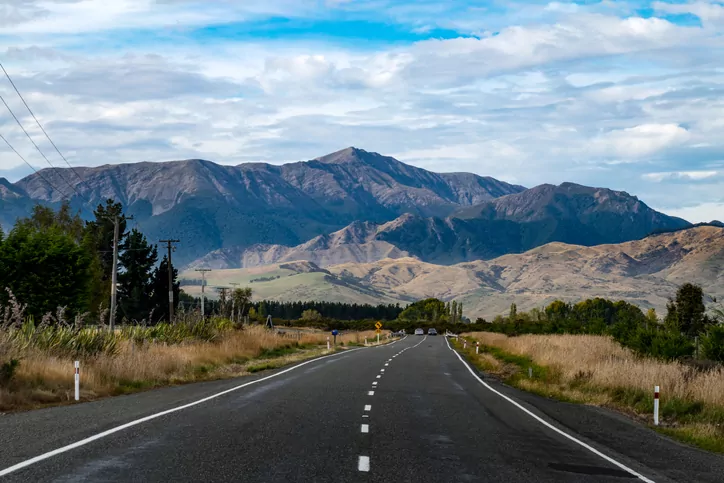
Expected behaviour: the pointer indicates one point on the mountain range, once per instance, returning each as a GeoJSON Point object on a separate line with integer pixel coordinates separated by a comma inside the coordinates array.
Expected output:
{"type": "Point", "coordinates": [644, 272]}
{"type": "Point", "coordinates": [209, 206]}
{"type": "Point", "coordinates": [513, 223]}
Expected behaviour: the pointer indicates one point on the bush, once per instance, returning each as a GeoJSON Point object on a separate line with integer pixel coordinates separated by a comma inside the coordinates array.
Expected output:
{"type": "Point", "coordinates": [7, 371]}
{"type": "Point", "coordinates": [712, 343]}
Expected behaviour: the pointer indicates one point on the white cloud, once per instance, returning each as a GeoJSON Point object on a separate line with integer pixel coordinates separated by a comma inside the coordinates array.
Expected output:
{"type": "Point", "coordinates": [642, 140]}
{"type": "Point", "coordinates": [681, 176]}
{"type": "Point", "coordinates": [558, 93]}
{"type": "Point", "coordinates": [702, 213]}
{"type": "Point", "coordinates": [710, 13]}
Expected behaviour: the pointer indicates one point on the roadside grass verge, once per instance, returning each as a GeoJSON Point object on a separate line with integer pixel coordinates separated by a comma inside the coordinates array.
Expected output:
{"type": "Point", "coordinates": [595, 370]}
{"type": "Point", "coordinates": [143, 358]}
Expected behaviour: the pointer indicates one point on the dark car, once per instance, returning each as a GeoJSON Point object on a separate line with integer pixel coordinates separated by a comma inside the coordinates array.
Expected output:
{"type": "Point", "coordinates": [431, 332]}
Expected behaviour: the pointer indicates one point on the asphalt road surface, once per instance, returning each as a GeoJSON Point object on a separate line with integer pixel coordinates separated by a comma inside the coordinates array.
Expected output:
{"type": "Point", "coordinates": [412, 411]}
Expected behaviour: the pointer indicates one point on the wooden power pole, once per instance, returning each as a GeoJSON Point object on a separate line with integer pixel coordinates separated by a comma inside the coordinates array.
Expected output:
{"type": "Point", "coordinates": [203, 282]}
{"type": "Point", "coordinates": [169, 245]}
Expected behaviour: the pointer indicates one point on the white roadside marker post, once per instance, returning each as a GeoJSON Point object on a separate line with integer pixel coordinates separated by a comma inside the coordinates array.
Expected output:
{"type": "Point", "coordinates": [327, 342]}
{"type": "Point", "coordinates": [77, 380]}
{"type": "Point", "coordinates": [656, 405]}
{"type": "Point", "coordinates": [378, 337]}
{"type": "Point", "coordinates": [477, 347]}
{"type": "Point", "coordinates": [365, 340]}
{"type": "Point", "coordinates": [465, 344]}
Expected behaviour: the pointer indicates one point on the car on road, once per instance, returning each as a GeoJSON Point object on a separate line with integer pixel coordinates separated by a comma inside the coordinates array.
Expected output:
{"type": "Point", "coordinates": [419, 332]}
{"type": "Point", "coordinates": [432, 332]}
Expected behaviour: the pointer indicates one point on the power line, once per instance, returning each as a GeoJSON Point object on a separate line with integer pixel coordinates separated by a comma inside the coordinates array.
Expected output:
{"type": "Point", "coordinates": [37, 148]}
{"type": "Point", "coordinates": [31, 166]}
{"type": "Point", "coordinates": [40, 125]}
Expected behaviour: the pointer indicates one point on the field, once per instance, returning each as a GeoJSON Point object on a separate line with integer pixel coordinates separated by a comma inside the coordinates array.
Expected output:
{"type": "Point", "coordinates": [293, 284]}
{"type": "Point", "coordinates": [597, 370]}
{"type": "Point", "coordinates": [137, 358]}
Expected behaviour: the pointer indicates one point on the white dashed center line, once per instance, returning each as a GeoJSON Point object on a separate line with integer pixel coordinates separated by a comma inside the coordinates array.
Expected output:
{"type": "Point", "coordinates": [368, 407]}
{"type": "Point", "coordinates": [374, 383]}
{"type": "Point", "coordinates": [364, 463]}
{"type": "Point", "coordinates": [382, 370]}
{"type": "Point", "coordinates": [378, 377]}
{"type": "Point", "coordinates": [365, 428]}
{"type": "Point", "coordinates": [371, 393]}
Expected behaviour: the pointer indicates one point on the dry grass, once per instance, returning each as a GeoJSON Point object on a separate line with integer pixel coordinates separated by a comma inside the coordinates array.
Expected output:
{"type": "Point", "coordinates": [48, 379]}
{"type": "Point", "coordinates": [597, 370]}
{"type": "Point", "coordinates": [604, 363]}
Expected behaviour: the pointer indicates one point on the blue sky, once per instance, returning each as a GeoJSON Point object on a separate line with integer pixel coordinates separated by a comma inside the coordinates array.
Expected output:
{"type": "Point", "coordinates": [626, 95]}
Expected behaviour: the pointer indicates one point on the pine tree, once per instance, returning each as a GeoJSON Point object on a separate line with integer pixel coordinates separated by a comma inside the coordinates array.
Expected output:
{"type": "Point", "coordinates": [159, 294]}
{"type": "Point", "coordinates": [454, 311]}
{"type": "Point", "coordinates": [98, 239]}
{"type": "Point", "coordinates": [137, 260]}
{"type": "Point", "coordinates": [460, 312]}
{"type": "Point", "coordinates": [513, 312]}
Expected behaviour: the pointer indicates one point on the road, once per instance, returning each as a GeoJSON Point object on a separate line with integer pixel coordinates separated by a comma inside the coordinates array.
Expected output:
{"type": "Point", "coordinates": [412, 411]}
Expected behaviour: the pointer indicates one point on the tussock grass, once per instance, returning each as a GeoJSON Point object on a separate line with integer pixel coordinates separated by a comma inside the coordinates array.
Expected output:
{"type": "Point", "coordinates": [45, 376]}
{"type": "Point", "coordinates": [596, 370]}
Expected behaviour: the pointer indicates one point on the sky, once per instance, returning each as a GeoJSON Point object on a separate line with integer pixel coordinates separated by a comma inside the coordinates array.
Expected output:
{"type": "Point", "coordinates": [623, 95]}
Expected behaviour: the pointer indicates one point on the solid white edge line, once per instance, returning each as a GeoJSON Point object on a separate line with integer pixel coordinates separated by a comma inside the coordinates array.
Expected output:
{"type": "Point", "coordinates": [83, 442]}
{"type": "Point", "coordinates": [364, 463]}
{"type": "Point", "coordinates": [365, 428]}
{"type": "Point", "coordinates": [549, 425]}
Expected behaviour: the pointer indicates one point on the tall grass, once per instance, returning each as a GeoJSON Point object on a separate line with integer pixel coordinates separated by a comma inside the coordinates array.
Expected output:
{"type": "Point", "coordinates": [604, 363]}
{"type": "Point", "coordinates": [597, 370]}
{"type": "Point", "coordinates": [137, 357]}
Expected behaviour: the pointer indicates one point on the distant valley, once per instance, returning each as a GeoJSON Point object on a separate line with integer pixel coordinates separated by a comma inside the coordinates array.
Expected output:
{"type": "Point", "coordinates": [645, 272]}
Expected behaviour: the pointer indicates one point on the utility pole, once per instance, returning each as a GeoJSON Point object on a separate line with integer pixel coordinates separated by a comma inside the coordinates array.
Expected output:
{"type": "Point", "coordinates": [114, 273]}
{"type": "Point", "coordinates": [203, 282]}
{"type": "Point", "coordinates": [169, 245]}
{"type": "Point", "coordinates": [233, 301]}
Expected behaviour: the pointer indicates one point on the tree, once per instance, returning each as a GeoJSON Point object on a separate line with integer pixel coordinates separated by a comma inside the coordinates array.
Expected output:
{"type": "Point", "coordinates": [242, 300]}
{"type": "Point", "coordinates": [45, 269]}
{"type": "Point", "coordinates": [137, 260]}
{"type": "Point", "coordinates": [99, 240]}
{"type": "Point", "coordinates": [453, 311]}
{"type": "Point", "coordinates": [159, 294]}
{"type": "Point", "coordinates": [460, 312]}
{"type": "Point", "coordinates": [712, 343]}
{"type": "Point", "coordinates": [311, 315]}
{"type": "Point", "coordinates": [423, 310]}
{"type": "Point", "coordinates": [513, 312]}
{"type": "Point", "coordinates": [652, 317]}
{"type": "Point", "coordinates": [687, 313]}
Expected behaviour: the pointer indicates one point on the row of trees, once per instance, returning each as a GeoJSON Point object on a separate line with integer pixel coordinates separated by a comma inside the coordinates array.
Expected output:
{"type": "Point", "coordinates": [434, 310]}
{"type": "Point", "coordinates": [330, 310]}
{"type": "Point", "coordinates": [685, 331]}
{"type": "Point", "coordinates": [55, 259]}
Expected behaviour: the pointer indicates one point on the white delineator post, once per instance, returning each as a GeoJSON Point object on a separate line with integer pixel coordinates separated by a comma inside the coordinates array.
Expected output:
{"type": "Point", "coordinates": [365, 340]}
{"type": "Point", "coordinates": [327, 342]}
{"type": "Point", "coordinates": [477, 347]}
{"type": "Point", "coordinates": [378, 337]}
{"type": "Point", "coordinates": [465, 344]}
{"type": "Point", "coordinates": [77, 380]}
{"type": "Point", "coordinates": [656, 405]}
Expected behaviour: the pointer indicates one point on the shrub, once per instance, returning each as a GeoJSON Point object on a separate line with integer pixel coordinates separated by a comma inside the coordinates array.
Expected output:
{"type": "Point", "coordinates": [712, 343]}
{"type": "Point", "coordinates": [7, 371]}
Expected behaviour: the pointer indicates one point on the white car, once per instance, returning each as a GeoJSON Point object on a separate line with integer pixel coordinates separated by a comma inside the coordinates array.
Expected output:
{"type": "Point", "coordinates": [419, 332]}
